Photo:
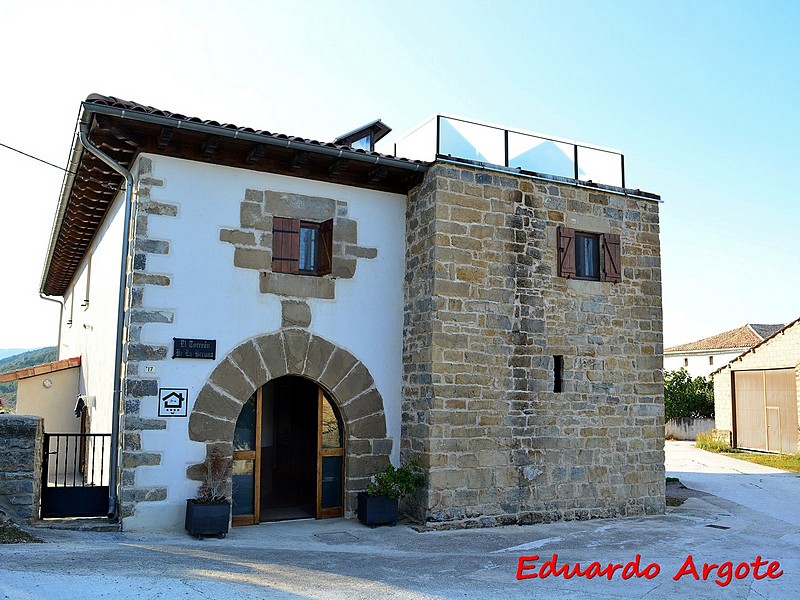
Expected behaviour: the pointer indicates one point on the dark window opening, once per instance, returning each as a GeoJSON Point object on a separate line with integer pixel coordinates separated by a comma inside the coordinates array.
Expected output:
{"type": "Point", "coordinates": [307, 261]}
{"type": "Point", "coordinates": [587, 256]}
{"type": "Point", "coordinates": [558, 373]}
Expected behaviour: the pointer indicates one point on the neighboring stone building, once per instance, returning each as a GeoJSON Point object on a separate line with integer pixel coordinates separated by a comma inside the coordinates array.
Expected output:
{"type": "Point", "coordinates": [703, 357]}
{"type": "Point", "coordinates": [757, 395]}
{"type": "Point", "coordinates": [316, 310]}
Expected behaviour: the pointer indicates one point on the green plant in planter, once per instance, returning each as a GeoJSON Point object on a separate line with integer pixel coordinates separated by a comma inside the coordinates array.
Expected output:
{"type": "Point", "coordinates": [380, 503]}
{"type": "Point", "coordinates": [396, 482]}
{"type": "Point", "coordinates": [209, 513]}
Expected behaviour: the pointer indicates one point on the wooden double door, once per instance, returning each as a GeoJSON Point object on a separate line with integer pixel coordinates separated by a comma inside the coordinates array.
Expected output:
{"type": "Point", "coordinates": [765, 410]}
{"type": "Point", "coordinates": [288, 453]}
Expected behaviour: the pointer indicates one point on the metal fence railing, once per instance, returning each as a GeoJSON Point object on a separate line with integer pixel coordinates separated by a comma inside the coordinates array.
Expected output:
{"type": "Point", "coordinates": [76, 459]}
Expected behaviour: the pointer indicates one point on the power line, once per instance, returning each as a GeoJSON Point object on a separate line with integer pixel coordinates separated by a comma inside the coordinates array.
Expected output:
{"type": "Point", "coordinates": [39, 159]}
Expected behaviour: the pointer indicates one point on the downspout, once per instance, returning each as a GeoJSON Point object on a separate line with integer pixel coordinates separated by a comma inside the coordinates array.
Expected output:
{"type": "Point", "coordinates": [60, 320]}
{"type": "Point", "coordinates": [123, 276]}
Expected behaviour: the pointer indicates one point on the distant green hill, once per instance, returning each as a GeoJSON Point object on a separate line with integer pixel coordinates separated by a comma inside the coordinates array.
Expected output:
{"type": "Point", "coordinates": [8, 391]}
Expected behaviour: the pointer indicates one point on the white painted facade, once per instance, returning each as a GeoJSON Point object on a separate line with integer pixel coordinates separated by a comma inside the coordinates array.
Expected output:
{"type": "Point", "coordinates": [89, 323]}
{"type": "Point", "coordinates": [699, 364]}
{"type": "Point", "coordinates": [212, 299]}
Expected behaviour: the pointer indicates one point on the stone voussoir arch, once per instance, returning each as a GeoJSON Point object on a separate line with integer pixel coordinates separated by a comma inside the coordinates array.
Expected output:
{"type": "Point", "coordinates": [263, 358]}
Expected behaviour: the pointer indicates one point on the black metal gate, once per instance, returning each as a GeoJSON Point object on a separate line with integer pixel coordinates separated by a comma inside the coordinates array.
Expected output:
{"type": "Point", "coordinates": [75, 474]}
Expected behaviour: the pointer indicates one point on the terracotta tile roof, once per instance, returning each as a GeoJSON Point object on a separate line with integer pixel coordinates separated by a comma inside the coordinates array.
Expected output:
{"type": "Point", "coordinates": [740, 338]}
{"type": "Point", "coordinates": [100, 100]}
{"type": "Point", "coordinates": [779, 331]}
{"type": "Point", "coordinates": [123, 129]}
{"type": "Point", "coordinates": [51, 367]}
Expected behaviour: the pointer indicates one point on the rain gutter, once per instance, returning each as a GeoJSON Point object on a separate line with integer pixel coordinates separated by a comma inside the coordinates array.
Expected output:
{"type": "Point", "coordinates": [256, 138]}
{"type": "Point", "coordinates": [113, 497]}
{"type": "Point", "coordinates": [60, 320]}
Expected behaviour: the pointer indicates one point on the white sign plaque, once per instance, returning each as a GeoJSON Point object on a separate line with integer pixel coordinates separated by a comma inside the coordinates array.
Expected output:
{"type": "Point", "coordinates": [173, 402]}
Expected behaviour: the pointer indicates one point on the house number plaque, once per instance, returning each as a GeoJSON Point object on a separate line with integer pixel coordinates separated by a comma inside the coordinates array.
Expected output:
{"type": "Point", "coordinates": [190, 348]}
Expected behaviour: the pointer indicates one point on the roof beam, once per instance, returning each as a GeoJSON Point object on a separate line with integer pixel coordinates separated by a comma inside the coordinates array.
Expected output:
{"type": "Point", "coordinates": [338, 167]}
{"type": "Point", "coordinates": [210, 145]}
{"type": "Point", "coordinates": [299, 160]}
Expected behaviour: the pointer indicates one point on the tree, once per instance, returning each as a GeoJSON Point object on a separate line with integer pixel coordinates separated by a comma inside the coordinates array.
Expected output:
{"type": "Point", "coordinates": [685, 396]}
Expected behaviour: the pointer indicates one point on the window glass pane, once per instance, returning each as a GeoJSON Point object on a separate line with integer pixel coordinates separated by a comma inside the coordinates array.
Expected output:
{"type": "Point", "coordinates": [599, 166]}
{"type": "Point", "coordinates": [244, 436]}
{"type": "Point", "coordinates": [420, 144]}
{"type": "Point", "coordinates": [331, 482]}
{"type": "Point", "coordinates": [331, 432]}
{"type": "Point", "coordinates": [462, 139]}
{"type": "Point", "coordinates": [540, 155]}
{"type": "Point", "coordinates": [364, 143]}
{"type": "Point", "coordinates": [308, 248]}
{"type": "Point", "coordinates": [587, 256]}
{"type": "Point", "coordinates": [243, 487]}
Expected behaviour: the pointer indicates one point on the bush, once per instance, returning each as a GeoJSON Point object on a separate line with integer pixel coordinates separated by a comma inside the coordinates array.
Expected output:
{"type": "Point", "coordinates": [396, 482]}
{"type": "Point", "coordinates": [685, 396]}
{"type": "Point", "coordinates": [707, 441]}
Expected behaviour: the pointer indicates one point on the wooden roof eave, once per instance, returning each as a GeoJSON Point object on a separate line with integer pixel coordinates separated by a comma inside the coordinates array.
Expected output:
{"type": "Point", "coordinates": [124, 132]}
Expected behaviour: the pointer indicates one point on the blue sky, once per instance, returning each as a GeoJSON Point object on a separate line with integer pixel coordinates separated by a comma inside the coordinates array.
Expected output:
{"type": "Point", "coordinates": [701, 97]}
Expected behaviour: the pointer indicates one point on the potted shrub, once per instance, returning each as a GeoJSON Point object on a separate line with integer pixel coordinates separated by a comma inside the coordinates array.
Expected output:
{"type": "Point", "coordinates": [380, 503]}
{"type": "Point", "coordinates": [210, 512]}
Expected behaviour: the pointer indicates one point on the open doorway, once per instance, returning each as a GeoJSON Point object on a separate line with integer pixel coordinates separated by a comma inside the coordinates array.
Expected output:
{"type": "Point", "coordinates": [288, 454]}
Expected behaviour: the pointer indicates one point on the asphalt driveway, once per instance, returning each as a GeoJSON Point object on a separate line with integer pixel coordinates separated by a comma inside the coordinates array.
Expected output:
{"type": "Point", "coordinates": [738, 516]}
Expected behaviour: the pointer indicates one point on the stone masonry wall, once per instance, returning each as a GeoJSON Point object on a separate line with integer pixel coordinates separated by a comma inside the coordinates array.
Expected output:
{"type": "Point", "coordinates": [487, 312]}
{"type": "Point", "coordinates": [139, 387]}
{"type": "Point", "coordinates": [20, 466]}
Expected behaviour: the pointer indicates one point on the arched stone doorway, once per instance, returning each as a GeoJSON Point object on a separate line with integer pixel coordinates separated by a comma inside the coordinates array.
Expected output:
{"type": "Point", "coordinates": [345, 379]}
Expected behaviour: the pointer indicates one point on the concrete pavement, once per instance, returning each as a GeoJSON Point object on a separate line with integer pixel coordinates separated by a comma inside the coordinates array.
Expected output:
{"type": "Point", "coordinates": [340, 558]}
{"type": "Point", "coordinates": [769, 491]}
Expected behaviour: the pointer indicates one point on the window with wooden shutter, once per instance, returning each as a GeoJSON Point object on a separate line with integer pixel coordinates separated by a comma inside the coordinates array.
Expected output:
{"type": "Point", "coordinates": [285, 245]}
{"type": "Point", "coordinates": [302, 247]}
{"type": "Point", "coordinates": [566, 252]}
{"type": "Point", "coordinates": [612, 255]}
{"type": "Point", "coordinates": [579, 255]}
{"type": "Point", "coordinates": [325, 249]}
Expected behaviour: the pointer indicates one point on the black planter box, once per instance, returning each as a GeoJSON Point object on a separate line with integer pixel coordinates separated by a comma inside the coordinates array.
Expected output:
{"type": "Point", "coordinates": [377, 510]}
{"type": "Point", "coordinates": [207, 519]}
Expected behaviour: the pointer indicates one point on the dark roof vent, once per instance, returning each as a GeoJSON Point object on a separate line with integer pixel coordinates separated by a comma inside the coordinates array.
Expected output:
{"type": "Point", "coordinates": [364, 137]}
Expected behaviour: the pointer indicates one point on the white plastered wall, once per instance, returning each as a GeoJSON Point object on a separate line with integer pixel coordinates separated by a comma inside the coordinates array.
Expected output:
{"type": "Point", "coordinates": [88, 329]}
{"type": "Point", "coordinates": [55, 403]}
{"type": "Point", "coordinates": [699, 364]}
{"type": "Point", "coordinates": [212, 299]}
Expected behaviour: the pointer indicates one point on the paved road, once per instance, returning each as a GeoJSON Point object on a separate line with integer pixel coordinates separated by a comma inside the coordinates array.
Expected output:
{"type": "Point", "coordinates": [769, 491]}
{"type": "Point", "coordinates": [339, 558]}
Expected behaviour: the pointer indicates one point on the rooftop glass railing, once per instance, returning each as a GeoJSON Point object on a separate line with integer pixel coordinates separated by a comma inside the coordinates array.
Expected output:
{"type": "Point", "coordinates": [457, 138]}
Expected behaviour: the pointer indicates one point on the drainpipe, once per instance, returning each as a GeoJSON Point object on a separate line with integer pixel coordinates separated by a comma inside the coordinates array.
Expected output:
{"type": "Point", "coordinates": [60, 320]}
{"type": "Point", "coordinates": [123, 275]}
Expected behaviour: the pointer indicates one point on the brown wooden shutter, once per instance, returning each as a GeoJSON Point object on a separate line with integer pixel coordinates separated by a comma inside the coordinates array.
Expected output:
{"type": "Point", "coordinates": [325, 248]}
{"type": "Point", "coordinates": [285, 245]}
{"type": "Point", "coordinates": [566, 252]}
{"type": "Point", "coordinates": [613, 267]}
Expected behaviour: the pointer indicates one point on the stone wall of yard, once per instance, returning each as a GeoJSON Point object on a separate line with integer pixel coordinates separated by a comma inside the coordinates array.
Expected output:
{"type": "Point", "coordinates": [20, 466]}
{"type": "Point", "coordinates": [486, 315]}
{"type": "Point", "coordinates": [687, 428]}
